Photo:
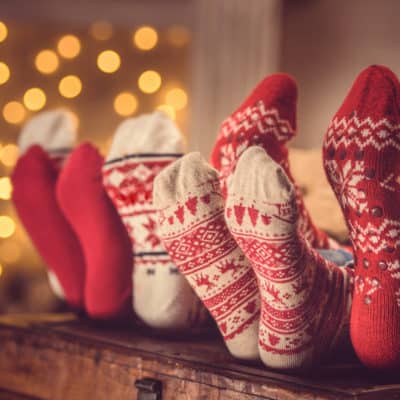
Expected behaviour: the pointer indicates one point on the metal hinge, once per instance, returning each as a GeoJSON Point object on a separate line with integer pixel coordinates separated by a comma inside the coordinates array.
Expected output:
{"type": "Point", "coordinates": [148, 389]}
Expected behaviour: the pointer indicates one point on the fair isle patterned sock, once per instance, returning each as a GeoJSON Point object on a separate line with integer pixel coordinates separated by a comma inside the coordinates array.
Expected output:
{"type": "Point", "coordinates": [305, 299]}
{"type": "Point", "coordinates": [193, 229]}
{"type": "Point", "coordinates": [54, 131]}
{"type": "Point", "coordinates": [267, 118]}
{"type": "Point", "coordinates": [361, 158]}
{"type": "Point", "coordinates": [142, 147]}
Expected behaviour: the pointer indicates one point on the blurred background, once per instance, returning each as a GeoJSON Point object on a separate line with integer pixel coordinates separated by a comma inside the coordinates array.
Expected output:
{"type": "Point", "coordinates": [105, 60]}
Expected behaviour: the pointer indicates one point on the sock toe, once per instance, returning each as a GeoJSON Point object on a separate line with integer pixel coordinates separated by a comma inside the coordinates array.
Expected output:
{"type": "Point", "coordinates": [277, 91]}
{"type": "Point", "coordinates": [194, 172]}
{"type": "Point", "coordinates": [375, 94]}
{"type": "Point", "coordinates": [270, 181]}
{"type": "Point", "coordinates": [88, 155]}
{"type": "Point", "coordinates": [183, 176]}
{"type": "Point", "coordinates": [52, 130]}
{"type": "Point", "coordinates": [152, 133]}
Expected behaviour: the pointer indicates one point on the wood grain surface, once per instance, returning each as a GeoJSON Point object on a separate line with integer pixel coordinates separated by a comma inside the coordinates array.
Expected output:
{"type": "Point", "coordinates": [48, 358]}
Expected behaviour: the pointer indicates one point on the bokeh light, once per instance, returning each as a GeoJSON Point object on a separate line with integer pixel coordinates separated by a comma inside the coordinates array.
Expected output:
{"type": "Point", "coordinates": [47, 61]}
{"type": "Point", "coordinates": [10, 251]}
{"type": "Point", "coordinates": [5, 188]}
{"type": "Point", "coordinates": [34, 99]}
{"type": "Point", "coordinates": [145, 38]}
{"type": "Point", "coordinates": [7, 226]}
{"type": "Point", "coordinates": [3, 31]}
{"type": "Point", "coordinates": [101, 30]}
{"type": "Point", "coordinates": [149, 81]}
{"type": "Point", "coordinates": [167, 109]}
{"type": "Point", "coordinates": [9, 154]}
{"type": "Point", "coordinates": [178, 36]}
{"type": "Point", "coordinates": [14, 112]}
{"type": "Point", "coordinates": [176, 98]}
{"type": "Point", "coordinates": [69, 46]}
{"type": "Point", "coordinates": [70, 86]}
{"type": "Point", "coordinates": [108, 61]}
{"type": "Point", "coordinates": [4, 73]}
{"type": "Point", "coordinates": [125, 104]}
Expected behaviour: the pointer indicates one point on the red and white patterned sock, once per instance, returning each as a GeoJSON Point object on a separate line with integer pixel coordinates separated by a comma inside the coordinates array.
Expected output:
{"type": "Point", "coordinates": [44, 142]}
{"type": "Point", "coordinates": [142, 147]}
{"type": "Point", "coordinates": [305, 299]}
{"type": "Point", "coordinates": [361, 159]}
{"type": "Point", "coordinates": [193, 229]}
{"type": "Point", "coordinates": [267, 118]}
{"type": "Point", "coordinates": [104, 240]}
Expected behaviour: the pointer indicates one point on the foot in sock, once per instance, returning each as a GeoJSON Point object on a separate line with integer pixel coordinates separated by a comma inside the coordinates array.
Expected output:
{"type": "Point", "coordinates": [193, 229]}
{"type": "Point", "coordinates": [141, 148]}
{"type": "Point", "coordinates": [267, 118]}
{"type": "Point", "coordinates": [34, 181]}
{"type": "Point", "coordinates": [305, 299]}
{"type": "Point", "coordinates": [361, 159]}
{"type": "Point", "coordinates": [103, 238]}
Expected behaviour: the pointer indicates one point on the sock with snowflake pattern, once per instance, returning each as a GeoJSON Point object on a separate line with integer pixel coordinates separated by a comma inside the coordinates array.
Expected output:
{"type": "Point", "coordinates": [361, 159]}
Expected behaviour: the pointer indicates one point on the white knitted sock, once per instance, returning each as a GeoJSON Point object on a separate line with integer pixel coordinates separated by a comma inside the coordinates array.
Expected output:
{"type": "Point", "coordinates": [193, 229]}
{"type": "Point", "coordinates": [305, 300]}
{"type": "Point", "coordinates": [142, 147]}
{"type": "Point", "coordinates": [54, 131]}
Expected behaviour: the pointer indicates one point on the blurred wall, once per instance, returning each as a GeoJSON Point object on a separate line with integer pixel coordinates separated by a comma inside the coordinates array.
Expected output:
{"type": "Point", "coordinates": [236, 43]}
{"type": "Point", "coordinates": [325, 45]}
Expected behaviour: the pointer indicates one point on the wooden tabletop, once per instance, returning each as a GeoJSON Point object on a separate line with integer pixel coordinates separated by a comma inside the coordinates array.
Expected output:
{"type": "Point", "coordinates": [60, 356]}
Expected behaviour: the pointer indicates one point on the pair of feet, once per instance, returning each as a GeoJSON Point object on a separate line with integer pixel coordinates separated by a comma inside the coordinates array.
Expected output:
{"type": "Point", "coordinates": [61, 210]}
{"type": "Point", "coordinates": [93, 221]}
{"type": "Point", "coordinates": [305, 301]}
{"type": "Point", "coordinates": [246, 256]}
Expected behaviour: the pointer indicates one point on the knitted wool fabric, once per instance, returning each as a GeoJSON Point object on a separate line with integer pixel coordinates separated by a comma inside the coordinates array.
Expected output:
{"type": "Point", "coordinates": [103, 237]}
{"type": "Point", "coordinates": [192, 227]}
{"type": "Point", "coordinates": [54, 131]}
{"type": "Point", "coordinates": [34, 180]}
{"type": "Point", "coordinates": [305, 299]}
{"type": "Point", "coordinates": [361, 159]}
{"type": "Point", "coordinates": [141, 148]}
{"type": "Point", "coordinates": [267, 118]}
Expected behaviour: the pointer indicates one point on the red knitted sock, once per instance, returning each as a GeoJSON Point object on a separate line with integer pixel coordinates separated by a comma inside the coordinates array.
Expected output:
{"type": "Point", "coordinates": [305, 299]}
{"type": "Point", "coordinates": [104, 240]}
{"type": "Point", "coordinates": [361, 158]}
{"type": "Point", "coordinates": [267, 118]}
{"type": "Point", "coordinates": [34, 180]}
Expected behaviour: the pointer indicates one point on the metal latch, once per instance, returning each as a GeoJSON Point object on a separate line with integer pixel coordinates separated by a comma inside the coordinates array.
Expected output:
{"type": "Point", "coordinates": [148, 389]}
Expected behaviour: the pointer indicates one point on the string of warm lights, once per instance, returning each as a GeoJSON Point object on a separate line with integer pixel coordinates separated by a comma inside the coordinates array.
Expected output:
{"type": "Point", "coordinates": [61, 80]}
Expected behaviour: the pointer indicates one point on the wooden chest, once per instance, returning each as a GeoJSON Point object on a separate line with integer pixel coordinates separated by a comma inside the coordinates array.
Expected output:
{"type": "Point", "coordinates": [61, 357]}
